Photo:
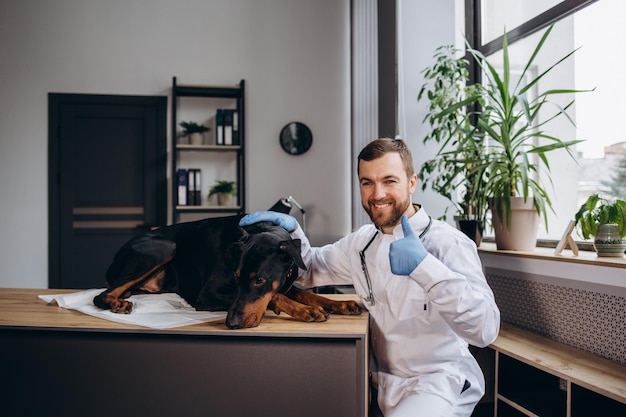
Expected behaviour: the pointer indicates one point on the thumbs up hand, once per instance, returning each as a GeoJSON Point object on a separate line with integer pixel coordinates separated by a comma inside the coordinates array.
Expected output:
{"type": "Point", "coordinates": [407, 253]}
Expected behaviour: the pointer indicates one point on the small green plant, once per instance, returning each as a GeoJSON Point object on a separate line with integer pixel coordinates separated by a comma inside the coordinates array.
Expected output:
{"type": "Point", "coordinates": [596, 211]}
{"type": "Point", "coordinates": [223, 187]}
{"type": "Point", "coordinates": [192, 127]}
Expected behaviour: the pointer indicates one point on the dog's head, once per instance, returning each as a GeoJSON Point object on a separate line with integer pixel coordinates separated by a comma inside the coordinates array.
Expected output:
{"type": "Point", "coordinates": [267, 263]}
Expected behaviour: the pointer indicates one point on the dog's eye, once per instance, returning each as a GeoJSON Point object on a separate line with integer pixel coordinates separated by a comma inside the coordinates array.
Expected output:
{"type": "Point", "coordinates": [259, 281]}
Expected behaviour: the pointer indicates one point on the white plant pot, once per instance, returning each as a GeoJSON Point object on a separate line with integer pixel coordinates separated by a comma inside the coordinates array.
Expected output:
{"type": "Point", "coordinates": [521, 235]}
{"type": "Point", "coordinates": [196, 139]}
{"type": "Point", "coordinates": [224, 199]}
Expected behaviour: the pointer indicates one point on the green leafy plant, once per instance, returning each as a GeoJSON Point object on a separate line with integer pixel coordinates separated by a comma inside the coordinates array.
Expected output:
{"type": "Point", "coordinates": [596, 211]}
{"type": "Point", "coordinates": [491, 157]}
{"type": "Point", "coordinates": [456, 167]}
{"type": "Point", "coordinates": [192, 127]}
{"type": "Point", "coordinates": [513, 123]}
{"type": "Point", "coordinates": [223, 187]}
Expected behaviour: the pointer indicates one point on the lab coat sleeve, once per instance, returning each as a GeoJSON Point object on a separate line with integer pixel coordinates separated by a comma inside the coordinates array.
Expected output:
{"type": "Point", "coordinates": [326, 265]}
{"type": "Point", "coordinates": [456, 286]}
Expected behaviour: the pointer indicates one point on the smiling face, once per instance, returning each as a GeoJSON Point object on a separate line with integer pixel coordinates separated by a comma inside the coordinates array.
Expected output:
{"type": "Point", "coordinates": [386, 190]}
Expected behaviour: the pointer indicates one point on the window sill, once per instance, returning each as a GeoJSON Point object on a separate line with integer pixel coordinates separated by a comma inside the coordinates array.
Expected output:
{"type": "Point", "coordinates": [583, 257]}
{"type": "Point", "coordinates": [585, 271]}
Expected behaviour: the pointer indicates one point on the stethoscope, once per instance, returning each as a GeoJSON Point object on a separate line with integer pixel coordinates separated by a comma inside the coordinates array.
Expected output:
{"type": "Point", "coordinates": [368, 281]}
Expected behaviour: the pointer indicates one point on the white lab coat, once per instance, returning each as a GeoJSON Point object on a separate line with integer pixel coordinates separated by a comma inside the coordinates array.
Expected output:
{"type": "Point", "coordinates": [420, 325]}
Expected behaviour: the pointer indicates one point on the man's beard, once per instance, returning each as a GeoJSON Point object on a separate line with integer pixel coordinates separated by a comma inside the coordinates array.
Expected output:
{"type": "Point", "coordinates": [382, 220]}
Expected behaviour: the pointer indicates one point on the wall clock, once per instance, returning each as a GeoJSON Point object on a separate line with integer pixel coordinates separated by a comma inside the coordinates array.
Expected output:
{"type": "Point", "coordinates": [295, 138]}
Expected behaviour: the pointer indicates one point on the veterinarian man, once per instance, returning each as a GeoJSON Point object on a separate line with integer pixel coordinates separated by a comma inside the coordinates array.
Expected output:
{"type": "Point", "coordinates": [422, 282]}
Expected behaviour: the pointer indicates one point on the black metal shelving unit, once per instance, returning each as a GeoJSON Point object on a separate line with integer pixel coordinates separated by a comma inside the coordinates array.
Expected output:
{"type": "Point", "coordinates": [179, 151]}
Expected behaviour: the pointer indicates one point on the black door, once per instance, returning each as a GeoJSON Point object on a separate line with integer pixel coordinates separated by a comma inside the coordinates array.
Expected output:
{"type": "Point", "coordinates": [107, 180]}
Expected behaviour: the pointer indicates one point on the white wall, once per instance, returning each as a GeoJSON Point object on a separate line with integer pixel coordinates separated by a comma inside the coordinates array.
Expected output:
{"type": "Point", "coordinates": [294, 56]}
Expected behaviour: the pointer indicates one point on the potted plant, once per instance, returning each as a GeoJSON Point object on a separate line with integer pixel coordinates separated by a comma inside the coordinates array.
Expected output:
{"type": "Point", "coordinates": [455, 171]}
{"type": "Point", "coordinates": [194, 131]}
{"type": "Point", "coordinates": [606, 221]}
{"type": "Point", "coordinates": [224, 190]}
{"type": "Point", "coordinates": [513, 124]}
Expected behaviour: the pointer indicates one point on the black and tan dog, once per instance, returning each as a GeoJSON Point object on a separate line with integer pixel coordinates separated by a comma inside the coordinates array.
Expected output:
{"type": "Point", "coordinates": [216, 265]}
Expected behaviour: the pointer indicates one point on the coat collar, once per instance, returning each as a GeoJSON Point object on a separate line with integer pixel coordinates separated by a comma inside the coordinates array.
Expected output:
{"type": "Point", "coordinates": [419, 222]}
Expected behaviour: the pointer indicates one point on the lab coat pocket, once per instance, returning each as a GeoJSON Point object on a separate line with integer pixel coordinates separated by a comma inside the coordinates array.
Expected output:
{"type": "Point", "coordinates": [407, 300]}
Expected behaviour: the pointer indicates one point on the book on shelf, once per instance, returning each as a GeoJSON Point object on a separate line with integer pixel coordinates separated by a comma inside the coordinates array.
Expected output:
{"type": "Point", "coordinates": [194, 186]}
{"type": "Point", "coordinates": [228, 126]}
{"type": "Point", "coordinates": [181, 175]}
{"type": "Point", "coordinates": [236, 140]}
{"type": "Point", "coordinates": [219, 127]}
{"type": "Point", "coordinates": [197, 199]}
{"type": "Point", "coordinates": [191, 186]}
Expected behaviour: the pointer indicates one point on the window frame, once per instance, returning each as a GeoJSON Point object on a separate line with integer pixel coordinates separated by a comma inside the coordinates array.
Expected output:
{"type": "Point", "coordinates": [473, 27]}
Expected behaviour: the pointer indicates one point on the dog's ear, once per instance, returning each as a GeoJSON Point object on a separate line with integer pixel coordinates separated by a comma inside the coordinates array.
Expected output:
{"type": "Point", "coordinates": [232, 256]}
{"type": "Point", "coordinates": [293, 248]}
{"type": "Point", "coordinates": [244, 236]}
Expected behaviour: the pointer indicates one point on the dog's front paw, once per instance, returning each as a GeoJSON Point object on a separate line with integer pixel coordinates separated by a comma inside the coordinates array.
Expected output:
{"type": "Point", "coordinates": [348, 308]}
{"type": "Point", "coordinates": [310, 313]}
{"type": "Point", "coordinates": [121, 306]}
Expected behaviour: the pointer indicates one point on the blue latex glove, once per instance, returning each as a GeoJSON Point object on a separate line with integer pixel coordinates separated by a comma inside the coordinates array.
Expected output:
{"type": "Point", "coordinates": [407, 253]}
{"type": "Point", "coordinates": [287, 222]}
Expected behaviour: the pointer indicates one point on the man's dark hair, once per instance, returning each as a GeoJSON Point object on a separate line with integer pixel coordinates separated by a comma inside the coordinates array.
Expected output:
{"type": "Point", "coordinates": [382, 146]}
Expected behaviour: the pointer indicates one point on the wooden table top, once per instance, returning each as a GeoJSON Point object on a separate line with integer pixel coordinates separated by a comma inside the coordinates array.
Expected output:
{"type": "Point", "coordinates": [21, 308]}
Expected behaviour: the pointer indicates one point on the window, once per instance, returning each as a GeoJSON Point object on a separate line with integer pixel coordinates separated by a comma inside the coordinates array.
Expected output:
{"type": "Point", "coordinates": [499, 14]}
{"type": "Point", "coordinates": [597, 64]}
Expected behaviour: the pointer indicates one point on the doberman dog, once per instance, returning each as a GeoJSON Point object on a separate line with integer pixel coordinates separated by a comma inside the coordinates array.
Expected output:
{"type": "Point", "coordinates": [216, 265]}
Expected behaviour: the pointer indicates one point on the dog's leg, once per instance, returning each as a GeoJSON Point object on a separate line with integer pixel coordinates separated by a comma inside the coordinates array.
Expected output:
{"type": "Point", "coordinates": [332, 306]}
{"type": "Point", "coordinates": [112, 298]}
{"type": "Point", "coordinates": [281, 303]}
